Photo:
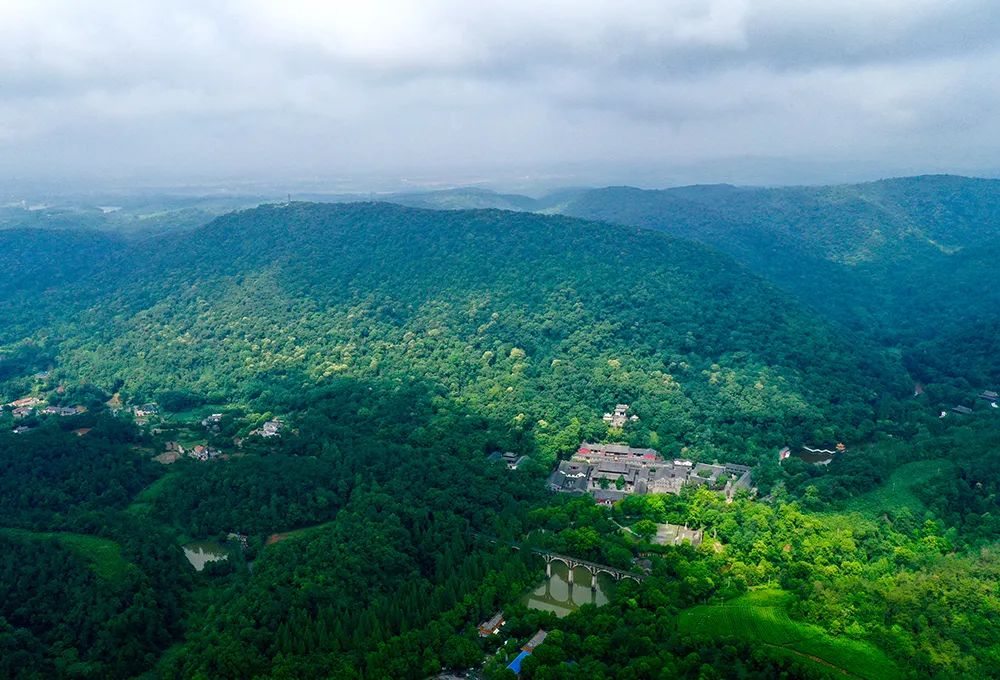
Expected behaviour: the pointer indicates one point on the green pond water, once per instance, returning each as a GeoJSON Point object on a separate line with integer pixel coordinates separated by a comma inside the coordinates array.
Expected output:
{"type": "Point", "coordinates": [556, 594]}
{"type": "Point", "coordinates": [200, 553]}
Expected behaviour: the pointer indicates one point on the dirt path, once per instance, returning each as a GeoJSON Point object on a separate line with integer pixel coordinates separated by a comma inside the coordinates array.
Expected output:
{"type": "Point", "coordinates": [813, 658]}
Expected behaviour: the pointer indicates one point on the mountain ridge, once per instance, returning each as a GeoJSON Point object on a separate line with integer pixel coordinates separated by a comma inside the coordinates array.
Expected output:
{"type": "Point", "coordinates": [477, 302]}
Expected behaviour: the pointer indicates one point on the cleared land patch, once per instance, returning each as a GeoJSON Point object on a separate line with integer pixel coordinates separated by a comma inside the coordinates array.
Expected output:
{"type": "Point", "coordinates": [144, 500]}
{"type": "Point", "coordinates": [898, 491]}
{"type": "Point", "coordinates": [761, 617]}
{"type": "Point", "coordinates": [104, 555]}
{"type": "Point", "coordinates": [673, 534]}
{"type": "Point", "coordinates": [295, 533]}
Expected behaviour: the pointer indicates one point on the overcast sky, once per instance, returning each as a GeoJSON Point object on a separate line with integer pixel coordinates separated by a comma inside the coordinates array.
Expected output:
{"type": "Point", "coordinates": [581, 91]}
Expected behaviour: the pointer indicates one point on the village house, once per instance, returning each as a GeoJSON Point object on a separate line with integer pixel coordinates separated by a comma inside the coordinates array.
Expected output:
{"type": "Point", "coordinates": [529, 646]}
{"type": "Point", "coordinates": [670, 477]}
{"type": "Point", "coordinates": [271, 428]}
{"type": "Point", "coordinates": [203, 453]}
{"type": "Point", "coordinates": [536, 639]}
{"type": "Point", "coordinates": [508, 458]}
{"type": "Point", "coordinates": [241, 540]}
{"type": "Point", "coordinates": [620, 450]}
{"type": "Point", "coordinates": [620, 416]}
{"type": "Point", "coordinates": [212, 422]}
{"type": "Point", "coordinates": [989, 395]}
{"type": "Point", "coordinates": [492, 625]}
{"type": "Point", "coordinates": [964, 410]}
{"type": "Point", "coordinates": [570, 477]}
{"type": "Point", "coordinates": [617, 475]}
{"type": "Point", "coordinates": [145, 411]}
{"type": "Point", "coordinates": [706, 474]}
{"type": "Point", "coordinates": [21, 429]}
{"type": "Point", "coordinates": [25, 402]}
{"type": "Point", "coordinates": [607, 497]}
{"type": "Point", "coordinates": [23, 412]}
{"type": "Point", "coordinates": [62, 410]}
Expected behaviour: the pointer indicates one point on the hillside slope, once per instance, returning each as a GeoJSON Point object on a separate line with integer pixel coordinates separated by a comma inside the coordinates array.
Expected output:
{"type": "Point", "coordinates": [541, 322]}
{"type": "Point", "coordinates": [907, 261]}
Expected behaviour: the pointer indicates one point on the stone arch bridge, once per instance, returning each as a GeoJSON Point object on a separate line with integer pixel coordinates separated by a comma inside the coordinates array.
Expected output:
{"type": "Point", "coordinates": [593, 567]}
{"type": "Point", "coordinates": [572, 563]}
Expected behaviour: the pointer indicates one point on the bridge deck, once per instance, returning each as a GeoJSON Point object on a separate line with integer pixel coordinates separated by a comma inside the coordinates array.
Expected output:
{"type": "Point", "coordinates": [569, 558]}
{"type": "Point", "coordinates": [586, 563]}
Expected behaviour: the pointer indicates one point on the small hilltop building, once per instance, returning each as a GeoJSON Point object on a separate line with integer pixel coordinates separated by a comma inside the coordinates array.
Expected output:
{"type": "Point", "coordinates": [619, 416]}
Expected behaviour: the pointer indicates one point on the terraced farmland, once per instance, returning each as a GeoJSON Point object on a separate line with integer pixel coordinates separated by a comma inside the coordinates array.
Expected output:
{"type": "Point", "coordinates": [762, 617]}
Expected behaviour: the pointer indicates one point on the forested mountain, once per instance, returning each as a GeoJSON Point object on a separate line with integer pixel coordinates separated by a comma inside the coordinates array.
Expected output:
{"type": "Point", "coordinates": [400, 346]}
{"type": "Point", "coordinates": [907, 261]}
{"type": "Point", "coordinates": [541, 322]}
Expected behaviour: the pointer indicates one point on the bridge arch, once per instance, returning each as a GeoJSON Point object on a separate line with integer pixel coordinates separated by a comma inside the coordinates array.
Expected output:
{"type": "Point", "coordinates": [592, 568]}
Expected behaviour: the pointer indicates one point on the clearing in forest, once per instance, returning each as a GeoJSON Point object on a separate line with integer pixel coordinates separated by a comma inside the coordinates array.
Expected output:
{"type": "Point", "coordinates": [144, 500]}
{"type": "Point", "coordinates": [898, 491]}
{"type": "Point", "coordinates": [295, 533]}
{"type": "Point", "coordinates": [761, 618]}
{"type": "Point", "coordinates": [104, 555]}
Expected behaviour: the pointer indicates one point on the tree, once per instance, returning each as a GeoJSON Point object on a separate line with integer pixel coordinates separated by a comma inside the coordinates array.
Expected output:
{"type": "Point", "coordinates": [460, 652]}
{"type": "Point", "coordinates": [645, 529]}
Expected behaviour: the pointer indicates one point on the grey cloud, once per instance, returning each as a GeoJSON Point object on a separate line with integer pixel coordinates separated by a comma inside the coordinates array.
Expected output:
{"type": "Point", "coordinates": [280, 90]}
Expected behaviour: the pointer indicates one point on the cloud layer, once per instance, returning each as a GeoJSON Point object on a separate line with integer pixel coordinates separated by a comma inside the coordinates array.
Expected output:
{"type": "Point", "coordinates": [171, 91]}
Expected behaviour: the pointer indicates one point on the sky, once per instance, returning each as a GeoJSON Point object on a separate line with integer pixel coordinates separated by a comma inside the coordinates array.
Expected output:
{"type": "Point", "coordinates": [359, 95]}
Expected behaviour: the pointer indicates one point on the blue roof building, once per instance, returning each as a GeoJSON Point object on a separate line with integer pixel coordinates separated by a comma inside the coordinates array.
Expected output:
{"type": "Point", "coordinates": [515, 665]}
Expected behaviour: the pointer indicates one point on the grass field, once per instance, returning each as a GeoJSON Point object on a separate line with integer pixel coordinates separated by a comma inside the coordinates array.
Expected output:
{"type": "Point", "coordinates": [897, 492]}
{"type": "Point", "coordinates": [761, 617]}
{"type": "Point", "coordinates": [104, 555]}
{"type": "Point", "coordinates": [143, 501]}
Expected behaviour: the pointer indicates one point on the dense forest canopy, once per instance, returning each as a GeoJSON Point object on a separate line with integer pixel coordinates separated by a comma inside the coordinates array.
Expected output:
{"type": "Point", "coordinates": [540, 322]}
{"type": "Point", "coordinates": [905, 261]}
{"type": "Point", "coordinates": [393, 348]}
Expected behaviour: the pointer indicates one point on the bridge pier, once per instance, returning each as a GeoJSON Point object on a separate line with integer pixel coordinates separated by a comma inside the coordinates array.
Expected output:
{"type": "Point", "coordinates": [592, 567]}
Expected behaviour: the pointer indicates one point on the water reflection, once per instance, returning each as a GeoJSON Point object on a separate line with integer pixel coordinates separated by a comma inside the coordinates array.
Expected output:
{"type": "Point", "coordinates": [200, 553]}
{"type": "Point", "coordinates": [556, 594]}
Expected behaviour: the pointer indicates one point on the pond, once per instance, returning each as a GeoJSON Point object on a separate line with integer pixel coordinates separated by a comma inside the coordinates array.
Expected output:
{"type": "Point", "coordinates": [200, 553]}
{"type": "Point", "coordinates": [556, 594]}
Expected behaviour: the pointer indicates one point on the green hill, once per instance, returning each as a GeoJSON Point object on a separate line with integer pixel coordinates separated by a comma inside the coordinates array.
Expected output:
{"type": "Point", "coordinates": [761, 618]}
{"type": "Point", "coordinates": [542, 322]}
{"type": "Point", "coordinates": [907, 261]}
